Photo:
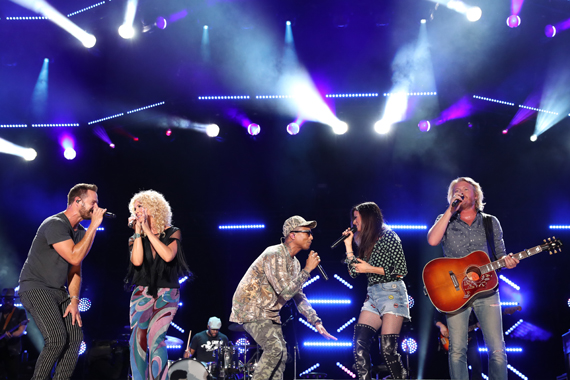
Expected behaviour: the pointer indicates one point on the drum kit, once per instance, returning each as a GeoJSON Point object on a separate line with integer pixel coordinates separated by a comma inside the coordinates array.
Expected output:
{"type": "Point", "coordinates": [232, 363]}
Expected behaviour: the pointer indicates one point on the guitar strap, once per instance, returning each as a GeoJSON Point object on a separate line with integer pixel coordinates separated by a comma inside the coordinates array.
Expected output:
{"type": "Point", "coordinates": [8, 319]}
{"type": "Point", "coordinates": [488, 224]}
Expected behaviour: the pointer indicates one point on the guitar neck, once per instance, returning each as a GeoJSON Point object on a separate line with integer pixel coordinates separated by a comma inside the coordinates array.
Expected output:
{"type": "Point", "coordinates": [501, 262]}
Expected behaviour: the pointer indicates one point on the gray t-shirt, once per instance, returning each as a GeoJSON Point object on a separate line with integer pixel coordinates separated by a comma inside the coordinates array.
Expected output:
{"type": "Point", "coordinates": [45, 268]}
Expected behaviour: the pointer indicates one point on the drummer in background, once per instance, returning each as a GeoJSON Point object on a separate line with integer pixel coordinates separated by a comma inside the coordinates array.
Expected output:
{"type": "Point", "coordinates": [204, 344]}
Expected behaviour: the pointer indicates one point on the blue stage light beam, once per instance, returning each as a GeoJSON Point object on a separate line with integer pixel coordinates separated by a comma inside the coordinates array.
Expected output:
{"type": "Point", "coordinates": [318, 301]}
{"type": "Point", "coordinates": [309, 282]}
{"type": "Point", "coordinates": [329, 344]}
{"type": "Point", "coordinates": [40, 94]}
{"type": "Point", "coordinates": [7, 147]}
{"type": "Point", "coordinates": [241, 226]}
{"type": "Point", "coordinates": [296, 83]}
{"type": "Point", "coordinates": [46, 10]}
{"type": "Point", "coordinates": [559, 227]}
{"type": "Point", "coordinates": [412, 74]}
{"type": "Point", "coordinates": [205, 45]}
{"type": "Point", "coordinates": [307, 103]}
{"type": "Point", "coordinates": [309, 370]}
{"type": "Point", "coordinates": [308, 325]}
{"type": "Point", "coordinates": [555, 97]}
{"type": "Point", "coordinates": [346, 370]}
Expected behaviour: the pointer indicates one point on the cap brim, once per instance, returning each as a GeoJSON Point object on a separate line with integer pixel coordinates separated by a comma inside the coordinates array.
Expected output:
{"type": "Point", "coordinates": [311, 224]}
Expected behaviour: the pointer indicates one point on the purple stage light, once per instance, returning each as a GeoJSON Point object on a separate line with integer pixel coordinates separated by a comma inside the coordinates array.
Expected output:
{"type": "Point", "coordinates": [178, 15]}
{"type": "Point", "coordinates": [513, 21]}
{"type": "Point", "coordinates": [459, 110]}
{"type": "Point", "coordinates": [168, 132]}
{"type": "Point", "coordinates": [112, 145]}
{"type": "Point", "coordinates": [253, 129]}
{"type": "Point", "coordinates": [293, 129]}
{"type": "Point", "coordinates": [161, 22]}
{"type": "Point", "coordinates": [424, 125]}
{"type": "Point", "coordinates": [516, 6]}
{"type": "Point", "coordinates": [550, 31]}
{"type": "Point", "coordinates": [68, 144]}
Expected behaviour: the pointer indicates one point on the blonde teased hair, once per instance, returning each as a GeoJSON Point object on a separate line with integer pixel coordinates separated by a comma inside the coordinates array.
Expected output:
{"type": "Point", "coordinates": [479, 205]}
{"type": "Point", "coordinates": [156, 206]}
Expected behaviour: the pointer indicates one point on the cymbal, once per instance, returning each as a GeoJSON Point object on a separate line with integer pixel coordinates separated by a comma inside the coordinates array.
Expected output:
{"type": "Point", "coordinates": [236, 327]}
{"type": "Point", "coordinates": [173, 340]}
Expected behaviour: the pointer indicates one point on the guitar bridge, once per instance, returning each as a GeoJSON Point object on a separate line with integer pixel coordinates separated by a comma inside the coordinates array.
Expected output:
{"type": "Point", "coordinates": [454, 279]}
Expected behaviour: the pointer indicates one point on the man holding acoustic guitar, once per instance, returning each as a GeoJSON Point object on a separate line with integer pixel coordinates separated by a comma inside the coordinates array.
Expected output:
{"type": "Point", "coordinates": [461, 230]}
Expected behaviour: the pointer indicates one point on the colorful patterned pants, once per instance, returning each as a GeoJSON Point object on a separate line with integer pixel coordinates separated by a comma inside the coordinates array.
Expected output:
{"type": "Point", "coordinates": [150, 319]}
{"type": "Point", "coordinates": [270, 337]}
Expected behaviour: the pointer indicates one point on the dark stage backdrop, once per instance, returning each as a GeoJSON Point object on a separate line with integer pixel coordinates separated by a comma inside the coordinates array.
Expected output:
{"type": "Point", "coordinates": [236, 178]}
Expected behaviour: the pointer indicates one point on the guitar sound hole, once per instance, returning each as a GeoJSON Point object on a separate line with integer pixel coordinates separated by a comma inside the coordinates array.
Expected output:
{"type": "Point", "coordinates": [473, 273]}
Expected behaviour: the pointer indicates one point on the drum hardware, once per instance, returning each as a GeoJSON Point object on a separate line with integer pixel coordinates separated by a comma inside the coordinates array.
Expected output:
{"type": "Point", "coordinates": [188, 369]}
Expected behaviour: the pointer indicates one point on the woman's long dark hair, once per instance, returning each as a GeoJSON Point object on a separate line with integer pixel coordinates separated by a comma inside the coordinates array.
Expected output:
{"type": "Point", "coordinates": [372, 228]}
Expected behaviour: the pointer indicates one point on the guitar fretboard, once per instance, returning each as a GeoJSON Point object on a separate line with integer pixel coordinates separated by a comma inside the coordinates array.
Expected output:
{"type": "Point", "coordinates": [501, 262]}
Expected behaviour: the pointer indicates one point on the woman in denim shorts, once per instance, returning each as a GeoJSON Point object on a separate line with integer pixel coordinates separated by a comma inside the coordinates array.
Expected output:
{"type": "Point", "coordinates": [381, 257]}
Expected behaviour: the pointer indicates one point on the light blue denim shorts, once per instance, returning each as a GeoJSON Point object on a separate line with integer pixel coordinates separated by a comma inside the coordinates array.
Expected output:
{"type": "Point", "coordinates": [389, 297]}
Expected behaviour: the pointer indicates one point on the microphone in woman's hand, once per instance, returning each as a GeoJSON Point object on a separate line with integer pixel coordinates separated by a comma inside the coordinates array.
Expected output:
{"type": "Point", "coordinates": [342, 238]}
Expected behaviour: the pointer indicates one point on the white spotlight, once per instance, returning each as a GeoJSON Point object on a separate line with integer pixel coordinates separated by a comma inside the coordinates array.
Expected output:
{"type": "Point", "coordinates": [533, 138]}
{"type": "Point", "coordinates": [423, 20]}
{"type": "Point", "coordinates": [457, 5]}
{"type": "Point", "coordinates": [29, 154]}
{"type": "Point", "coordinates": [473, 14]}
{"type": "Point", "coordinates": [212, 130]}
{"type": "Point", "coordinates": [126, 31]}
{"type": "Point", "coordinates": [89, 41]}
{"type": "Point", "coordinates": [340, 128]}
{"type": "Point", "coordinates": [382, 127]}
{"type": "Point", "coordinates": [69, 153]}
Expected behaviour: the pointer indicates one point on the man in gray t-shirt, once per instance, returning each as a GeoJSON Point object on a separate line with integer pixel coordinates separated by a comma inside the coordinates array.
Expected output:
{"type": "Point", "coordinates": [54, 260]}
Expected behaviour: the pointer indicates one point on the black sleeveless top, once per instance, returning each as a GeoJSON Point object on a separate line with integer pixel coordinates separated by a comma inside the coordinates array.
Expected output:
{"type": "Point", "coordinates": [154, 271]}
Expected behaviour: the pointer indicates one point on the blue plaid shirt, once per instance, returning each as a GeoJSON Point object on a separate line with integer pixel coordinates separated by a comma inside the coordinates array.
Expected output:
{"type": "Point", "coordinates": [460, 238]}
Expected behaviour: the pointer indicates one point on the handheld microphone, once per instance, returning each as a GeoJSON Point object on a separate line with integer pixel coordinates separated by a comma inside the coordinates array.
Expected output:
{"type": "Point", "coordinates": [132, 223]}
{"type": "Point", "coordinates": [109, 215]}
{"type": "Point", "coordinates": [323, 273]}
{"type": "Point", "coordinates": [456, 202]}
{"type": "Point", "coordinates": [342, 238]}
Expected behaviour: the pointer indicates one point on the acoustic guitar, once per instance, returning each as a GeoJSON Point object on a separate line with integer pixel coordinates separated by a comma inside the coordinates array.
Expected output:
{"type": "Point", "coordinates": [451, 283]}
{"type": "Point", "coordinates": [444, 341]}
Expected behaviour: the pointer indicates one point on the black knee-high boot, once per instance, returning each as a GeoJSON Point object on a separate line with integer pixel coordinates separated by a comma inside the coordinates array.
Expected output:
{"type": "Point", "coordinates": [389, 348]}
{"type": "Point", "coordinates": [363, 335]}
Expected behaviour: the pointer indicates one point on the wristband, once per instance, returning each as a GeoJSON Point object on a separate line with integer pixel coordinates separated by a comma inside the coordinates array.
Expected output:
{"type": "Point", "coordinates": [350, 252]}
{"type": "Point", "coordinates": [72, 297]}
{"type": "Point", "coordinates": [136, 236]}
